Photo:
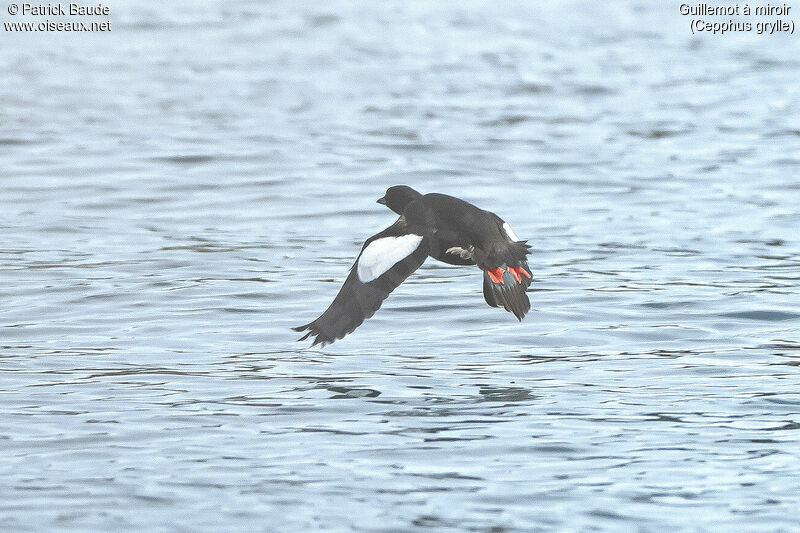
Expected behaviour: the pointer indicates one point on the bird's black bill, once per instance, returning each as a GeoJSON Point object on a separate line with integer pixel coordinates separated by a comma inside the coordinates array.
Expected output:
{"type": "Point", "coordinates": [382, 201]}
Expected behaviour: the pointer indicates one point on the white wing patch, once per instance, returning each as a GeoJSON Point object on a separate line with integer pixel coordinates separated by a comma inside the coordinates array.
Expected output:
{"type": "Point", "coordinates": [382, 254]}
{"type": "Point", "coordinates": [510, 232]}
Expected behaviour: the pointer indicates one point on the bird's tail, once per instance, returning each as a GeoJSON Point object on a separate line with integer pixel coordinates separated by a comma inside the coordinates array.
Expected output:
{"type": "Point", "coordinates": [508, 290]}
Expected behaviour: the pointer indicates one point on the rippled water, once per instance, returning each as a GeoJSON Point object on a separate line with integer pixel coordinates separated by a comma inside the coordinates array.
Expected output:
{"type": "Point", "coordinates": [179, 192]}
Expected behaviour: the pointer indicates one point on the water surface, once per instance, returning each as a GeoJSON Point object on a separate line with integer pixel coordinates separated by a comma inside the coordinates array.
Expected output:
{"type": "Point", "coordinates": [179, 192]}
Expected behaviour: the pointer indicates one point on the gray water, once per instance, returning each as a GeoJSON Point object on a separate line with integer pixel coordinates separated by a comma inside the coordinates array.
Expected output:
{"type": "Point", "coordinates": [177, 193]}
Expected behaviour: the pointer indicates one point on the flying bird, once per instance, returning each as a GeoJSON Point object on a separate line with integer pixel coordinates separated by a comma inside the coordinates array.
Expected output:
{"type": "Point", "coordinates": [436, 225]}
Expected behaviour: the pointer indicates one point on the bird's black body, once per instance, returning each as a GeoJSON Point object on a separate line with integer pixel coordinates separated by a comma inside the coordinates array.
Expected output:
{"type": "Point", "coordinates": [436, 225]}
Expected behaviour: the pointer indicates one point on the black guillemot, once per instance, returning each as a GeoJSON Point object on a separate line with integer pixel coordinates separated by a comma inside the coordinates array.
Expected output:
{"type": "Point", "coordinates": [436, 225]}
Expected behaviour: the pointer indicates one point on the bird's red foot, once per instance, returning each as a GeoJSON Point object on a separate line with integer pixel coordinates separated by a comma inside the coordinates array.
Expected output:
{"type": "Point", "coordinates": [496, 274]}
{"type": "Point", "coordinates": [517, 272]}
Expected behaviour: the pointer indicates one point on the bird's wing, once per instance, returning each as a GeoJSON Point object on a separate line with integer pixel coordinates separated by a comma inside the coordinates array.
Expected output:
{"type": "Point", "coordinates": [385, 261]}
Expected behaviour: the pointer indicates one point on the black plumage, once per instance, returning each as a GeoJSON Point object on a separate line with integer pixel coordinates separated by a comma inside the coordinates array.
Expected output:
{"type": "Point", "coordinates": [436, 225]}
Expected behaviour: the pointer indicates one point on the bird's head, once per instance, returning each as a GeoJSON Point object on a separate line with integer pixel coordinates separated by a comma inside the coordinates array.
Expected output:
{"type": "Point", "coordinates": [398, 197]}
